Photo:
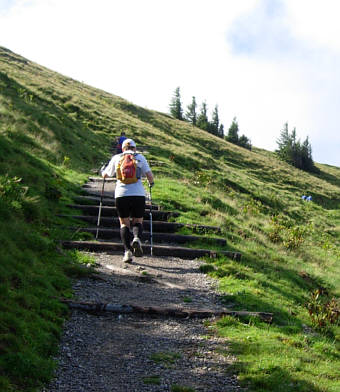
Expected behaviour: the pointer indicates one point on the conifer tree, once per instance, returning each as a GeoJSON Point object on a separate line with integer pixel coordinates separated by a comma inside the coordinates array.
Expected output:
{"type": "Point", "coordinates": [293, 152]}
{"type": "Point", "coordinates": [202, 119]}
{"type": "Point", "coordinates": [215, 122]}
{"type": "Point", "coordinates": [285, 145]}
{"type": "Point", "coordinates": [191, 114]}
{"type": "Point", "coordinates": [232, 136]}
{"type": "Point", "coordinates": [176, 105]}
{"type": "Point", "coordinates": [221, 131]}
{"type": "Point", "coordinates": [244, 142]}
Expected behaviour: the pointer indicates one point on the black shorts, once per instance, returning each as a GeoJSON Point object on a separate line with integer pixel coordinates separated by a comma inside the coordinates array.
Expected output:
{"type": "Point", "coordinates": [130, 206]}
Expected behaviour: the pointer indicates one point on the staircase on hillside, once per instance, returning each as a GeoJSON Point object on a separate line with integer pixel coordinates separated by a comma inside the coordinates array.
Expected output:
{"type": "Point", "coordinates": [166, 240]}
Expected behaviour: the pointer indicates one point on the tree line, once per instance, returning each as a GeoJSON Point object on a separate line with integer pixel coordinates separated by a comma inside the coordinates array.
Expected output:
{"type": "Point", "coordinates": [201, 120]}
{"type": "Point", "coordinates": [290, 149]}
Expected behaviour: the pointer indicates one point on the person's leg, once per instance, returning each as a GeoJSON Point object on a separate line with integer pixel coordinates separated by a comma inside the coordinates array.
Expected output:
{"type": "Point", "coordinates": [124, 220]}
{"type": "Point", "coordinates": [125, 233]}
{"type": "Point", "coordinates": [137, 225]}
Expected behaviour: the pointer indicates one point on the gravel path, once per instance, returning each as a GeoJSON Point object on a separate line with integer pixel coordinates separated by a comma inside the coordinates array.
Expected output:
{"type": "Point", "coordinates": [110, 352]}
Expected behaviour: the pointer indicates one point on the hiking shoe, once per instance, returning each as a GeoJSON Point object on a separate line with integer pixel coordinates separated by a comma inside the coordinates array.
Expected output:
{"type": "Point", "coordinates": [127, 256]}
{"type": "Point", "coordinates": [137, 247]}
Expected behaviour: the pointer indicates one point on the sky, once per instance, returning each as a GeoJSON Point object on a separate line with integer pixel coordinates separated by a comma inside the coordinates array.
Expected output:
{"type": "Point", "coordinates": [265, 62]}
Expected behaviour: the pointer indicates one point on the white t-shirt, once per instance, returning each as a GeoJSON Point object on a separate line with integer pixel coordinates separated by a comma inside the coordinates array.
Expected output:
{"type": "Point", "coordinates": [135, 189]}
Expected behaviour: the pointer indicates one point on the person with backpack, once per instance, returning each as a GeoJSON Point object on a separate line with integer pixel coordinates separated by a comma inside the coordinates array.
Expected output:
{"type": "Point", "coordinates": [129, 167]}
{"type": "Point", "coordinates": [120, 141]}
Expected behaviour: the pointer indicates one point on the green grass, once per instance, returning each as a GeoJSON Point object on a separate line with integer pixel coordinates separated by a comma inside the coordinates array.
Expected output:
{"type": "Point", "coordinates": [152, 380]}
{"type": "Point", "coordinates": [54, 130]}
{"type": "Point", "coordinates": [167, 358]}
{"type": "Point", "coordinates": [181, 388]}
{"type": "Point", "coordinates": [282, 357]}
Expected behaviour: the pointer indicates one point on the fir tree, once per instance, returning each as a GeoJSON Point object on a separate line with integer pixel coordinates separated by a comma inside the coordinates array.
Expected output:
{"type": "Point", "coordinates": [232, 136]}
{"type": "Point", "coordinates": [176, 105]}
{"type": "Point", "coordinates": [191, 114]}
{"type": "Point", "coordinates": [215, 122]}
{"type": "Point", "coordinates": [293, 152]}
{"type": "Point", "coordinates": [306, 156]}
{"type": "Point", "coordinates": [244, 142]}
{"type": "Point", "coordinates": [202, 119]}
{"type": "Point", "coordinates": [221, 131]}
{"type": "Point", "coordinates": [284, 142]}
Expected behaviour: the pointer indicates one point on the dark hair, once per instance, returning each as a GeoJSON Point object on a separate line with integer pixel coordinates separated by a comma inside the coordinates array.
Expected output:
{"type": "Point", "coordinates": [122, 134]}
{"type": "Point", "coordinates": [127, 145]}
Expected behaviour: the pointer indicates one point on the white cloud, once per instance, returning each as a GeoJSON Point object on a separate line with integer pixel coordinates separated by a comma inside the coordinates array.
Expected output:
{"type": "Point", "coordinates": [316, 21]}
{"type": "Point", "coordinates": [262, 61]}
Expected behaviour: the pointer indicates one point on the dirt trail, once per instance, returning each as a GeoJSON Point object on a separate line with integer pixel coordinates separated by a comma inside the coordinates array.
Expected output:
{"type": "Point", "coordinates": [107, 352]}
{"type": "Point", "coordinates": [135, 352]}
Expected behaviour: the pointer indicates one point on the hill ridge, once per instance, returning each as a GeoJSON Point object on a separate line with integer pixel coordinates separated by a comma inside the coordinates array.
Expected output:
{"type": "Point", "coordinates": [54, 130]}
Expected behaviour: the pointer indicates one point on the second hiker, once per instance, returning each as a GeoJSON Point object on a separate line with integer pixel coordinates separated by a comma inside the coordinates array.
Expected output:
{"type": "Point", "coordinates": [119, 143]}
{"type": "Point", "coordinates": [129, 167]}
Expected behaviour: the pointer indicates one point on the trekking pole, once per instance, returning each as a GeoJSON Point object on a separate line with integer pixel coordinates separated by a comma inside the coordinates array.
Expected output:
{"type": "Point", "coordinates": [100, 207]}
{"type": "Point", "coordinates": [150, 222]}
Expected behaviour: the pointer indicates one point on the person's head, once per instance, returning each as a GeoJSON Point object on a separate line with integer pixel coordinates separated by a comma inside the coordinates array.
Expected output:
{"type": "Point", "coordinates": [128, 144]}
{"type": "Point", "coordinates": [122, 134]}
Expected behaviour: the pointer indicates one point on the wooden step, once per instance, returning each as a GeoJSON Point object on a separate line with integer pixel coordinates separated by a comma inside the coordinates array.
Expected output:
{"type": "Point", "coordinates": [106, 202]}
{"type": "Point", "coordinates": [112, 211]}
{"type": "Point", "coordinates": [100, 179]}
{"type": "Point", "coordinates": [157, 226]}
{"type": "Point", "coordinates": [109, 179]}
{"type": "Point", "coordinates": [157, 250]}
{"type": "Point", "coordinates": [110, 234]}
{"type": "Point", "coordinates": [95, 192]}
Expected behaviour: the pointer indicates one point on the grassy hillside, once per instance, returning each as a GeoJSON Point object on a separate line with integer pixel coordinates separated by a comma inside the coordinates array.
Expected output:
{"type": "Point", "coordinates": [53, 130]}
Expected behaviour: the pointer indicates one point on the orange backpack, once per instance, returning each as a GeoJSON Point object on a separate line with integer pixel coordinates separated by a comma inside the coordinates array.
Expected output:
{"type": "Point", "coordinates": [127, 170]}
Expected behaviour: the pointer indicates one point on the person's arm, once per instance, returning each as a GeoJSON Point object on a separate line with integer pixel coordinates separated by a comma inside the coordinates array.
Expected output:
{"type": "Point", "coordinates": [149, 177]}
{"type": "Point", "coordinates": [110, 169]}
{"type": "Point", "coordinates": [146, 170]}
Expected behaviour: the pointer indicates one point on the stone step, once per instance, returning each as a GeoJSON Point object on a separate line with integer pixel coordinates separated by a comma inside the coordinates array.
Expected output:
{"type": "Point", "coordinates": [112, 211]}
{"type": "Point", "coordinates": [107, 201]}
{"type": "Point", "coordinates": [157, 226]}
{"type": "Point", "coordinates": [110, 234]}
{"type": "Point", "coordinates": [157, 250]}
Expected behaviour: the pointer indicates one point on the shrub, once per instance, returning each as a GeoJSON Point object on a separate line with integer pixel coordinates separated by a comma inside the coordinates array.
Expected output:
{"type": "Point", "coordinates": [12, 192]}
{"type": "Point", "coordinates": [206, 268]}
{"type": "Point", "coordinates": [323, 311]}
{"type": "Point", "coordinates": [284, 230]}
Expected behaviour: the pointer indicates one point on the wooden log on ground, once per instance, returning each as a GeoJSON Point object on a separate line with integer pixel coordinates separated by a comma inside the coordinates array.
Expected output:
{"type": "Point", "coordinates": [112, 211]}
{"type": "Point", "coordinates": [158, 250]}
{"type": "Point", "coordinates": [170, 238]}
{"type": "Point", "coordinates": [164, 311]}
{"type": "Point", "coordinates": [96, 192]}
{"type": "Point", "coordinates": [106, 201]}
{"type": "Point", "coordinates": [100, 179]}
{"type": "Point", "coordinates": [158, 226]}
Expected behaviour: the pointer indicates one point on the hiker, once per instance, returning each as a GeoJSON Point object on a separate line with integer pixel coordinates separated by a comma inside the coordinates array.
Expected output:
{"type": "Point", "coordinates": [119, 142]}
{"type": "Point", "coordinates": [306, 198]}
{"type": "Point", "coordinates": [129, 167]}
